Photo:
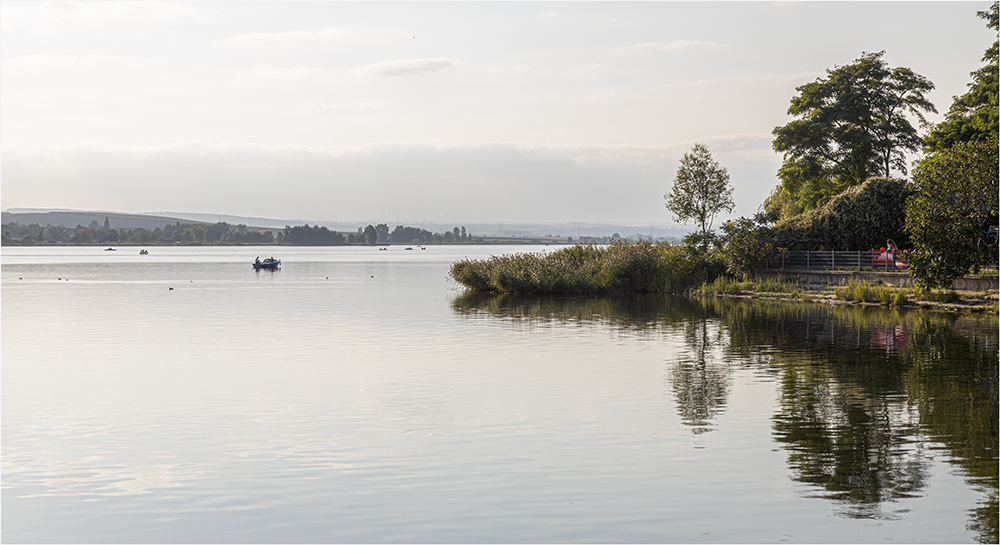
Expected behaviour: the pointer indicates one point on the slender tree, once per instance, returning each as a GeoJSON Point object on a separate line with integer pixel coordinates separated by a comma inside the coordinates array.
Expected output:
{"type": "Point", "coordinates": [701, 190]}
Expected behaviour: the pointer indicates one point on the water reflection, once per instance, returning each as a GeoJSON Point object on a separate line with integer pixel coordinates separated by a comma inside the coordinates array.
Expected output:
{"type": "Point", "coordinates": [701, 377]}
{"type": "Point", "coordinates": [865, 393]}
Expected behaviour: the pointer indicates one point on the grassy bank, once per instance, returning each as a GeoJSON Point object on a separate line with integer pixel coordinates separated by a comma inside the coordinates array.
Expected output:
{"type": "Point", "coordinates": [622, 267]}
{"type": "Point", "coordinates": [858, 292]}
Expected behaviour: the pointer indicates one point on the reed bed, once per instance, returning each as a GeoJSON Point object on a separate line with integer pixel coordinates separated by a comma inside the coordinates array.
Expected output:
{"type": "Point", "coordinates": [868, 292]}
{"type": "Point", "coordinates": [622, 267]}
{"type": "Point", "coordinates": [776, 286]}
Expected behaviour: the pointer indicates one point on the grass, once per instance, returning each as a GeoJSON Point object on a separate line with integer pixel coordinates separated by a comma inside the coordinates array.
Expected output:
{"type": "Point", "coordinates": [622, 267]}
{"type": "Point", "coordinates": [949, 297]}
{"type": "Point", "coordinates": [776, 286]}
{"type": "Point", "coordinates": [722, 285]}
{"type": "Point", "coordinates": [868, 292]}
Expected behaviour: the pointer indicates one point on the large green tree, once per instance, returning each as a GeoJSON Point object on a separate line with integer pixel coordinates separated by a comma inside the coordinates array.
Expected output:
{"type": "Point", "coordinates": [973, 116]}
{"type": "Point", "coordinates": [950, 215]}
{"type": "Point", "coordinates": [701, 190]}
{"type": "Point", "coordinates": [849, 126]}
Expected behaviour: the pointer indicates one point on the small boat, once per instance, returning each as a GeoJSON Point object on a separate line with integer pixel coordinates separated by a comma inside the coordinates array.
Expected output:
{"type": "Point", "coordinates": [380, 249]}
{"type": "Point", "coordinates": [407, 248]}
{"type": "Point", "coordinates": [110, 250]}
{"type": "Point", "coordinates": [143, 252]}
{"type": "Point", "coordinates": [269, 264]}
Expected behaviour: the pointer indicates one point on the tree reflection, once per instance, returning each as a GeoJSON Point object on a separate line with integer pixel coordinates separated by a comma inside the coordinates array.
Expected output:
{"type": "Point", "coordinates": [952, 380]}
{"type": "Point", "coordinates": [862, 391]}
{"type": "Point", "coordinates": [701, 377]}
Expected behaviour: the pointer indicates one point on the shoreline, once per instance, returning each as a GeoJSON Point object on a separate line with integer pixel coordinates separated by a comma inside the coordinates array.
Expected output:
{"type": "Point", "coordinates": [970, 301]}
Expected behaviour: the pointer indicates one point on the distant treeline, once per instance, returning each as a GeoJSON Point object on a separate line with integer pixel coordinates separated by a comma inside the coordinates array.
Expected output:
{"type": "Point", "coordinates": [223, 233]}
{"type": "Point", "coordinates": [180, 233]}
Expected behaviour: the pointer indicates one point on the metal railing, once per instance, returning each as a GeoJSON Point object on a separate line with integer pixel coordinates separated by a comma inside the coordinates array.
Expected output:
{"type": "Point", "coordinates": [861, 260]}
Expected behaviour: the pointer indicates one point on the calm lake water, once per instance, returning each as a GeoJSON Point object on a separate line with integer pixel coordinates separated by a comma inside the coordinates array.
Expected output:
{"type": "Point", "coordinates": [358, 395]}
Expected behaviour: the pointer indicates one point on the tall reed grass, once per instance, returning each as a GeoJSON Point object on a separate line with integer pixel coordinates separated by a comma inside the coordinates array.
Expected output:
{"type": "Point", "coordinates": [623, 267]}
{"type": "Point", "coordinates": [868, 292]}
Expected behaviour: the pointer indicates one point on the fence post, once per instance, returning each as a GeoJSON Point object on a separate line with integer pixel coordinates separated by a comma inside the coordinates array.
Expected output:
{"type": "Point", "coordinates": [807, 260]}
{"type": "Point", "coordinates": [833, 260]}
{"type": "Point", "coordinates": [859, 260]}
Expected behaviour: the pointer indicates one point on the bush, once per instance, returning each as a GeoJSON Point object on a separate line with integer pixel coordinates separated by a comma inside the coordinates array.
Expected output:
{"type": "Point", "coordinates": [860, 218]}
{"type": "Point", "coordinates": [774, 285]}
{"type": "Point", "coordinates": [864, 291]}
{"type": "Point", "coordinates": [622, 267]}
{"type": "Point", "coordinates": [950, 215]}
{"type": "Point", "coordinates": [747, 245]}
{"type": "Point", "coordinates": [941, 296]}
{"type": "Point", "coordinates": [720, 286]}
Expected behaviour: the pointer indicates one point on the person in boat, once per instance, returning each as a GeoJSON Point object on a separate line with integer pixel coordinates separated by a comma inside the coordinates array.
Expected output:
{"type": "Point", "coordinates": [257, 261]}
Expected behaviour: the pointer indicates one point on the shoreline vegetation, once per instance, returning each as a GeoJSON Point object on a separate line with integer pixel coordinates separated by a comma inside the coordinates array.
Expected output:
{"type": "Point", "coordinates": [226, 234]}
{"type": "Point", "coordinates": [643, 267]}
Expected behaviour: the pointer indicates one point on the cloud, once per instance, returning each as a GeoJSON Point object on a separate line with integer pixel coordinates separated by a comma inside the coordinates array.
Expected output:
{"type": "Point", "coordinates": [589, 69]}
{"type": "Point", "coordinates": [314, 107]}
{"type": "Point", "coordinates": [703, 82]}
{"type": "Point", "coordinates": [675, 46]}
{"type": "Point", "coordinates": [295, 72]}
{"type": "Point", "coordinates": [783, 79]}
{"type": "Point", "coordinates": [118, 12]}
{"type": "Point", "coordinates": [403, 67]}
{"type": "Point", "coordinates": [520, 68]}
{"type": "Point", "coordinates": [485, 182]}
{"type": "Point", "coordinates": [292, 38]}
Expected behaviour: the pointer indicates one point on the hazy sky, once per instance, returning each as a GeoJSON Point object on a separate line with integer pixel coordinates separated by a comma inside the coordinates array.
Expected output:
{"type": "Point", "coordinates": [500, 111]}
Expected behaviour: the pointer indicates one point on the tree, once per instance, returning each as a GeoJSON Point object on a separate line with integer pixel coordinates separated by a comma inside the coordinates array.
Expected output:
{"type": "Point", "coordinates": [850, 126]}
{"type": "Point", "coordinates": [952, 218]}
{"type": "Point", "coordinates": [973, 116]}
{"type": "Point", "coordinates": [82, 235]}
{"type": "Point", "coordinates": [701, 190]}
{"type": "Point", "coordinates": [370, 236]}
{"type": "Point", "coordinates": [747, 245]}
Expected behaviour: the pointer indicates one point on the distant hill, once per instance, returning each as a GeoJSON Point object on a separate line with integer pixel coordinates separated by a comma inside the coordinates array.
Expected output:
{"type": "Point", "coordinates": [72, 218]}
{"type": "Point", "coordinates": [118, 220]}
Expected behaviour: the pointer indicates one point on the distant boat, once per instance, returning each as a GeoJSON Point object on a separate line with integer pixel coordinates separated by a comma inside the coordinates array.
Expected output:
{"type": "Point", "coordinates": [380, 249]}
{"type": "Point", "coordinates": [143, 252]}
{"type": "Point", "coordinates": [269, 264]}
{"type": "Point", "coordinates": [110, 250]}
{"type": "Point", "coordinates": [407, 248]}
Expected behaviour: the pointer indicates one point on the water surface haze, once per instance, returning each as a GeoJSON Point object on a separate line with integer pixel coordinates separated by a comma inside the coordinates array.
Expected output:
{"type": "Point", "coordinates": [358, 395]}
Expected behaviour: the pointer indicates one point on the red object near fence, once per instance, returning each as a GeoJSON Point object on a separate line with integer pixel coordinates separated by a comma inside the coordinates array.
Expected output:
{"type": "Point", "coordinates": [889, 259]}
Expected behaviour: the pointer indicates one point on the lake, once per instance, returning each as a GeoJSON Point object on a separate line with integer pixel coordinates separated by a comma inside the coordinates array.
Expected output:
{"type": "Point", "coordinates": [358, 395]}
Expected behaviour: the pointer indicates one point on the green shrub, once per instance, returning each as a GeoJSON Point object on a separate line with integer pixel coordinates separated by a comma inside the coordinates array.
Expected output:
{"type": "Point", "coordinates": [774, 285]}
{"type": "Point", "coordinates": [949, 297]}
{"type": "Point", "coordinates": [860, 218]}
{"type": "Point", "coordinates": [957, 201]}
{"type": "Point", "coordinates": [720, 286]}
{"type": "Point", "coordinates": [622, 267]}
{"type": "Point", "coordinates": [868, 292]}
{"type": "Point", "coordinates": [747, 245]}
